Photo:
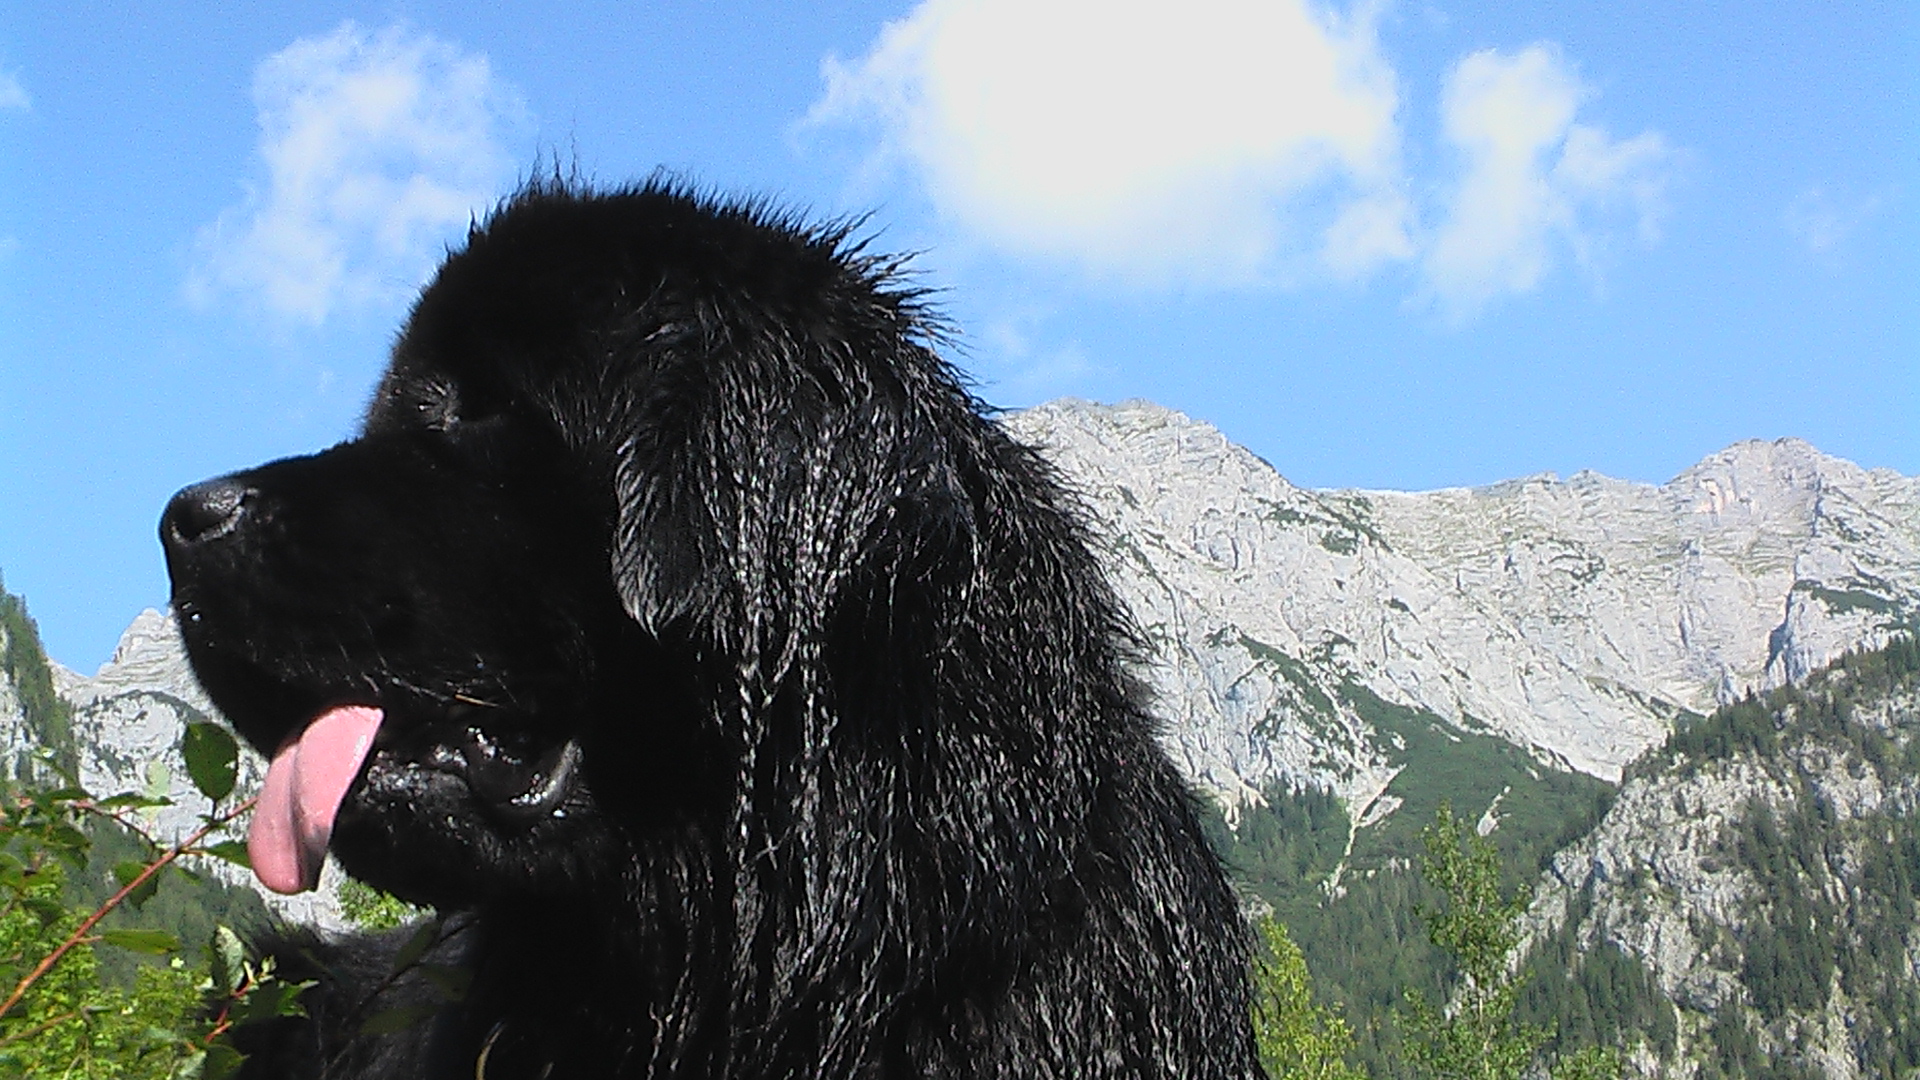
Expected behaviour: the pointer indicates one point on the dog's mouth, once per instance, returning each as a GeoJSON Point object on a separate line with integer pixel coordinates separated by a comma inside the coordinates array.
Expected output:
{"type": "Point", "coordinates": [515, 779]}
{"type": "Point", "coordinates": [519, 783]}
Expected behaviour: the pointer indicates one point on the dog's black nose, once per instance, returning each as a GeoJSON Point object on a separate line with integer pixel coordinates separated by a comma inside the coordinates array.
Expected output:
{"type": "Point", "coordinates": [205, 511]}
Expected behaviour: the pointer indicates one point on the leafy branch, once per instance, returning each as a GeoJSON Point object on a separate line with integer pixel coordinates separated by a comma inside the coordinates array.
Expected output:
{"type": "Point", "coordinates": [79, 935]}
{"type": "Point", "coordinates": [174, 1022]}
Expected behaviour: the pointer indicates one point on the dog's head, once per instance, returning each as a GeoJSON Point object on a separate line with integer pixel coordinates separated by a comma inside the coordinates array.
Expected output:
{"type": "Point", "coordinates": [482, 641]}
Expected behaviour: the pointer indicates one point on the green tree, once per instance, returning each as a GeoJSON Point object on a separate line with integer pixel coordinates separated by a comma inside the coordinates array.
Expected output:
{"type": "Point", "coordinates": [1297, 1039]}
{"type": "Point", "coordinates": [1589, 1063]}
{"type": "Point", "coordinates": [74, 1024]}
{"type": "Point", "coordinates": [1476, 1037]}
{"type": "Point", "coordinates": [23, 662]}
{"type": "Point", "coordinates": [370, 909]}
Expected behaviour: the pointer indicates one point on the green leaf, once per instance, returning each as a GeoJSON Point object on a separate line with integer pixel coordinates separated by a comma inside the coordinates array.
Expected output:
{"type": "Point", "coordinates": [222, 1061]}
{"type": "Point", "coordinates": [191, 1067]}
{"type": "Point", "coordinates": [126, 872]}
{"type": "Point", "coordinates": [213, 759]}
{"type": "Point", "coordinates": [131, 799]}
{"type": "Point", "coordinates": [234, 851]}
{"type": "Point", "coordinates": [68, 840]}
{"type": "Point", "coordinates": [423, 939]}
{"type": "Point", "coordinates": [48, 910]}
{"type": "Point", "coordinates": [452, 979]}
{"type": "Point", "coordinates": [69, 843]}
{"type": "Point", "coordinates": [286, 1000]}
{"type": "Point", "coordinates": [157, 1036]}
{"type": "Point", "coordinates": [228, 959]}
{"type": "Point", "coordinates": [151, 942]}
{"type": "Point", "coordinates": [400, 1019]}
{"type": "Point", "coordinates": [268, 999]}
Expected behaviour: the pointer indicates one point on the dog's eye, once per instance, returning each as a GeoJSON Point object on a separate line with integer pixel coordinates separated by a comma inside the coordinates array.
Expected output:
{"type": "Point", "coordinates": [438, 407]}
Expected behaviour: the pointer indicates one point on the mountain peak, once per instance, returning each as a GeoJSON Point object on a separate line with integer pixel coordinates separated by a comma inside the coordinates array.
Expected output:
{"type": "Point", "coordinates": [1755, 464]}
{"type": "Point", "coordinates": [147, 656]}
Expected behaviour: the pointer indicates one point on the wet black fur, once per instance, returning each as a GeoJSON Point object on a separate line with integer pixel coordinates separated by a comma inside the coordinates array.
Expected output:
{"type": "Point", "coordinates": [866, 789]}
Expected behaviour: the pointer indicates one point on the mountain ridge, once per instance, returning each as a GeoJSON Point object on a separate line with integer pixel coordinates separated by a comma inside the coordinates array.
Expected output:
{"type": "Point", "coordinates": [1578, 618]}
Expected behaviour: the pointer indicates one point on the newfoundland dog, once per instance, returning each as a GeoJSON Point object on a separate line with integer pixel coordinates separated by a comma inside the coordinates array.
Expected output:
{"type": "Point", "coordinates": [746, 702]}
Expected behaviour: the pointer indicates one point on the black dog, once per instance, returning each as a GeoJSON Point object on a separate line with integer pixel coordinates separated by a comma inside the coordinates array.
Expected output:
{"type": "Point", "coordinates": [680, 623]}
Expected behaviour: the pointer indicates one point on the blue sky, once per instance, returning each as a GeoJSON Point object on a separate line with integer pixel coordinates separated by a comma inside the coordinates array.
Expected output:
{"type": "Point", "coordinates": [1399, 245]}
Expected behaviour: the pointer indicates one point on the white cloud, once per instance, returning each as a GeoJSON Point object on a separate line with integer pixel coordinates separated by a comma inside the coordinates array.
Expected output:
{"type": "Point", "coordinates": [1024, 369]}
{"type": "Point", "coordinates": [1370, 232]}
{"type": "Point", "coordinates": [1212, 140]}
{"type": "Point", "coordinates": [1533, 179]}
{"type": "Point", "coordinates": [377, 150]}
{"type": "Point", "coordinates": [13, 96]}
{"type": "Point", "coordinates": [1823, 222]}
{"type": "Point", "coordinates": [1232, 142]}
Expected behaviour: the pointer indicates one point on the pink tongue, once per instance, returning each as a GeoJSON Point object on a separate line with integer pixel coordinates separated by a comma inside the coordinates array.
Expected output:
{"type": "Point", "coordinates": [305, 782]}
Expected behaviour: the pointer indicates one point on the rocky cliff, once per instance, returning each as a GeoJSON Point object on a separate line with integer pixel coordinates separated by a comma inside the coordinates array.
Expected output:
{"type": "Point", "coordinates": [1764, 866]}
{"type": "Point", "coordinates": [1578, 618]}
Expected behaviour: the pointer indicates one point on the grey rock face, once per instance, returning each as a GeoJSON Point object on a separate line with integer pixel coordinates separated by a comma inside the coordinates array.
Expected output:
{"type": "Point", "coordinates": [1667, 877]}
{"type": "Point", "coordinates": [16, 747]}
{"type": "Point", "coordinates": [1578, 618]}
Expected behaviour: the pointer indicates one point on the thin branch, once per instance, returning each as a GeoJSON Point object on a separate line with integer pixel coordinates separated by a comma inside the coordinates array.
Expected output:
{"type": "Point", "coordinates": [42, 1027]}
{"type": "Point", "coordinates": [225, 1020]}
{"type": "Point", "coordinates": [115, 901]}
{"type": "Point", "coordinates": [91, 807]}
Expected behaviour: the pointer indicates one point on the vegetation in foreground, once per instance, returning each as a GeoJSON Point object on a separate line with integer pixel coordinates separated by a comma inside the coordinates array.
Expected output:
{"type": "Point", "coordinates": [81, 1003]}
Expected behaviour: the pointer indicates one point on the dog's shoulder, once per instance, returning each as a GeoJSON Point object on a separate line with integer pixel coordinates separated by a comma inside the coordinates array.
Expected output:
{"type": "Point", "coordinates": [374, 1006]}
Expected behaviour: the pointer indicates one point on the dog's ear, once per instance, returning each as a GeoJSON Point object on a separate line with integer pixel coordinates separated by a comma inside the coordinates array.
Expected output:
{"type": "Point", "coordinates": [750, 483]}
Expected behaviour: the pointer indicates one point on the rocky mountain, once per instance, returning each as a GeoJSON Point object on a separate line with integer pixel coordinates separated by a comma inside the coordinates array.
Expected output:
{"type": "Point", "coordinates": [1763, 865]}
{"type": "Point", "coordinates": [1490, 647]}
{"type": "Point", "coordinates": [34, 722]}
{"type": "Point", "coordinates": [1576, 618]}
